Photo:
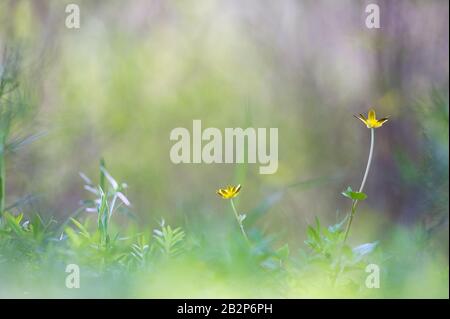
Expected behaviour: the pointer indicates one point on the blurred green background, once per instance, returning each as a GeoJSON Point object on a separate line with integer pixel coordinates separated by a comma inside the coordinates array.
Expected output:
{"type": "Point", "coordinates": [135, 70]}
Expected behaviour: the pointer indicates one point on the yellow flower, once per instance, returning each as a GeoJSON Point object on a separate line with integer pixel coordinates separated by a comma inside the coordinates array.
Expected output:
{"type": "Point", "coordinates": [371, 121]}
{"type": "Point", "coordinates": [229, 192]}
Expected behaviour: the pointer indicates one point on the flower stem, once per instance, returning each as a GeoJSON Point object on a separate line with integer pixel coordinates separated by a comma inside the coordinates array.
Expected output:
{"type": "Point", "coordinates": [361, 188]}
{"type": "Point", "coordinates": [239, 220]}
{"type": "Point", "coordinates": [2, 175]}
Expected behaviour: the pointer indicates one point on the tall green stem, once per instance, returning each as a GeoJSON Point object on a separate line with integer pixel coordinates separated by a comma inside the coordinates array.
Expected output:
{"type": "Point", "coordinates": [239, 220]}
{"type": "Point", "coordinates": [2, 177]}
{"type": "Point", "coordinates": [361, 188]}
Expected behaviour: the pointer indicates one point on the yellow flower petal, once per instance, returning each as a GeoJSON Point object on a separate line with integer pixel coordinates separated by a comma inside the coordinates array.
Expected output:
{"type": "Point", "coordinates": [371, 121]}
{"type": "Point", "coordinates": [383, 120]}
{"type": "Point", "coordinates": [361, 118]}
{"type": "Point", "coordinates": [229, 191]}
{"type": "Point", "coordinates": [372, 116]}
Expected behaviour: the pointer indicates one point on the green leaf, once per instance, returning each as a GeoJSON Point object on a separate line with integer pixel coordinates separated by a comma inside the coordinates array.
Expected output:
{"type": "Point", "coordinates": [169, 239]}
{"type": "Point", "coordinates": [283, 252]}
{"type": "Point", "coordinates": [102, 174]}
{"type": "Point", "coordinates": [14, 222]}
{"type": "Point", "coordinates": [81, 227]}
{"type": "Point", "coordinates": [339, 227]}
{"type": "Point", "coordinates": [312, 234]}
{"type": "Point", "coordinates": [317, 225]}
{"type": "Point", "coordinates": [73, 236]}
{"type": "Point", "coordinates": [349, 193]}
